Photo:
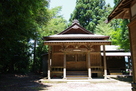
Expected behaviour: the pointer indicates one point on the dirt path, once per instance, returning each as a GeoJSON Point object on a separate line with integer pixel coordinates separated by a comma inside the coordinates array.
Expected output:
{"type": "Point", "coordinates": [32, 82]}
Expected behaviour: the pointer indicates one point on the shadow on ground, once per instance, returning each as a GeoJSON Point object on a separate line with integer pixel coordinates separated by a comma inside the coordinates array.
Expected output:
{"type": "Point", "coordinates": [124, 78]}
{"type": "Point", "coordinates": [17, 82]}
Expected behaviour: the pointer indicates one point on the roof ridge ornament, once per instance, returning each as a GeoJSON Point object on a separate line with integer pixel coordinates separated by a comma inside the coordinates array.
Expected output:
{"type": "Point", "coordinates": [75, 21]}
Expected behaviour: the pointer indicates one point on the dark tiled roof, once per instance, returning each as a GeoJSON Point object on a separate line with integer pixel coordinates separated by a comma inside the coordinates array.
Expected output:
{"type": "Point", "coordinates": [76, 36]}
{"type": "Point", "coordinates": [76, 33]}
{"type": "Point", "coordinates": [52, 42]}
{"type": "Point", "coordinates": [75, 28]}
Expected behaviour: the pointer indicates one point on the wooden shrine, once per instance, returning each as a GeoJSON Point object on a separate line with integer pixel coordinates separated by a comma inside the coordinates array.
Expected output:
{"type": "Point", "coordinates": [76, 52]}
{"type": "Point", "coordinates": [126, 9]}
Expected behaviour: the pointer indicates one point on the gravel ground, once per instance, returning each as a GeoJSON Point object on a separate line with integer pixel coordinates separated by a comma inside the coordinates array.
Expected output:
{"type": "Point", "coordinates": [31, 82]}
{"type": "Point", "coordinates": [85, 86]}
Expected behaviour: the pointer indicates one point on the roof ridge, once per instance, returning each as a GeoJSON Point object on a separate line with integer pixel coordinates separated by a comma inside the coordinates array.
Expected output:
{"type": "Point", "coordinates": [82, 28]}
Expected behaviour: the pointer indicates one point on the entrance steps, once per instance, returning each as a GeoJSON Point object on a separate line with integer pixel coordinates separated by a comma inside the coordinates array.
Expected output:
{"type": "Point", "coordinates": [77, 75]}
{"type": "Point", "coordinates": [77, 78]}
{"type": "Point", "coordinates": [76, 72]}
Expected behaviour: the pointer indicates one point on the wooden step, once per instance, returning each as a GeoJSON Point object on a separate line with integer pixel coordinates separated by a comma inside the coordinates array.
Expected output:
{"type": "Point", "coordinates": [76, 75]}
{"type": "Point", "coordinates": [76, 72]}
{"type": "Point", "coordinates": [77, 78]}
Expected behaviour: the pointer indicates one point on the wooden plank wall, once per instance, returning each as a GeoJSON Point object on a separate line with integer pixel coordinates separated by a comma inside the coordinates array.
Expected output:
{"type": "Point", "coordinates": [116, 62]}
{"type": "Point", "coordinates": [56, 49]}
{"type": "Point", "coordinates": [95, 56]}
{"type": "Point", "coordinates": [57, 56]}
{"type": "Point", "coordinates": [95, 59]}
{"type": "Point", "coordinates": [57, 60]}
{"type": "Point", "coordinates": [76, 66]}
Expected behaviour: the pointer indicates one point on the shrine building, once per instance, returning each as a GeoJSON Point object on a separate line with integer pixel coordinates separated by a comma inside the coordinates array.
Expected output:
{"type": "Point", "coordinates": [76, 52]}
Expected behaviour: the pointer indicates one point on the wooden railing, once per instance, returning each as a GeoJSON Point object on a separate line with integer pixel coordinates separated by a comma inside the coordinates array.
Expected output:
{"type": "Point", "coordinates": [57, 69]}
{"type": "Point", "coordinates": [96, 69]}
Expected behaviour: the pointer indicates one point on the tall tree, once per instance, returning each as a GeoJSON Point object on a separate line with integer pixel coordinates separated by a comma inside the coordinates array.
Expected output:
{"type": "Point", "coordinates": [116, 2]}
{"type": "Point", "coordinates": [56, 23]}
{"type": "Point", "coordinates": [89, 13]}
{"type": "Point", "coordinates": [103, 28]}
{"type": "Point", "coordinates": [19, 22]}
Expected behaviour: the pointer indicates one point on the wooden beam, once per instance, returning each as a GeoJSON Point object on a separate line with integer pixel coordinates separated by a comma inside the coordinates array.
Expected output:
{"type": "Point", "coordinates": [122, 14]}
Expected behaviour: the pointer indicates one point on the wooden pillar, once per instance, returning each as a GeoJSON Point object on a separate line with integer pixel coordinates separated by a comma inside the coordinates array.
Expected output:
{"type": "Point", "coordinates": [64, 69]}
{"type": "Point", "coordinates": [89, 67]}
{"type": "Point", "coordinates": [105, 64]}
{"type": "Point", "coordinates": [49, 68]}
{"type": "Point", "coordinates": [132, 37]}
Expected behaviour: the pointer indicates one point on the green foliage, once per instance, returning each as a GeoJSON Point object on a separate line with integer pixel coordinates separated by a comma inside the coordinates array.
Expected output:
{"type": "Point", "coordinates": [116, 2]}
{"type": "Point", "coordinates": [90, 13]}
{"type": "Point", "coordinates": [103, 29]}
{"type": "Point", "coordinates": [19, 23]}
{"type": "Point", "coordinates": [120, 41]}
{"type": "Point", "coordinates": [115, 37]}
{"type": "Point", "coordinates": [125, 43]}
{"type": "Point", "coordinates": [117, 30]}
{"type": "Point", "coordinates": [56, 22]}
{"type": "Point", "coordinates": [120, 33]}
{"type": "Point", "coordinates": [55, 25]}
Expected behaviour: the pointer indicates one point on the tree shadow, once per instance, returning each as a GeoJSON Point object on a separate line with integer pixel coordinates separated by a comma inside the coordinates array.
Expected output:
{"type": "Point", "coordinates": [124, 78]}
{"type": "Point", "coordinates": [18, 82]}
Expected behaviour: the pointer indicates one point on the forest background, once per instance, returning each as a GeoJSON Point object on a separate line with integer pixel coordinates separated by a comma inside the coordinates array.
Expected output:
{"type": "Point", "coordinates": [23, 24]}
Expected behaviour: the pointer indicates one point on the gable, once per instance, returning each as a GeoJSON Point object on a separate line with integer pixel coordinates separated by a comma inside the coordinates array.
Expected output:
{"type": "Point", "coordinates": [75, 29]}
